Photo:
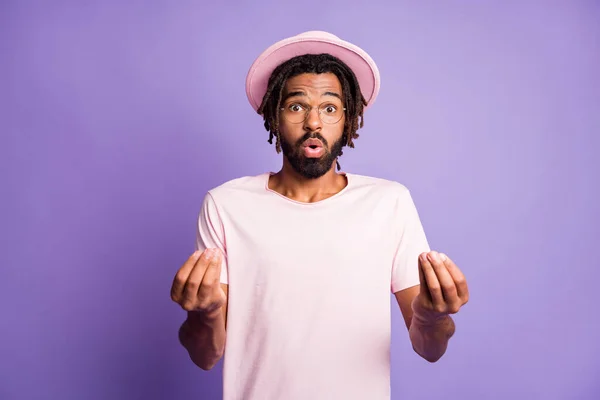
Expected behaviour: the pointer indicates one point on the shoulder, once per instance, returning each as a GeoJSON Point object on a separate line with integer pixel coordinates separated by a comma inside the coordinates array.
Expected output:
{"type": "Point", "coordinates": [381, 185]}
{"type": "Point", "coordinates": [238, 188]}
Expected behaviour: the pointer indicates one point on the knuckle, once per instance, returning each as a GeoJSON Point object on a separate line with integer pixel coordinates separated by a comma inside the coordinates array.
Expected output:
{"type": "Point", "coordinates": [209, 303]}
{"type": "Point", "coordinates": [462, 282]}
{"type": "Point", "coordinates": [204, 304]}
{"type": "Point", "coordinates": [222, 297]}
{"type": "Point", "coordinates": [435, 289]}
{"type": "Point", "coordinates": [192, 286]}
{"type": "Point", "coordinates": [212, 286]}
{"type": "Point", "coordinates": [179, 279]}
{"type": "Point", "coordinates": [448, 287]}
{"type": "Point", "coordinates": [440, 308]}
{"type": "Point", "coordinates": [219, 302]}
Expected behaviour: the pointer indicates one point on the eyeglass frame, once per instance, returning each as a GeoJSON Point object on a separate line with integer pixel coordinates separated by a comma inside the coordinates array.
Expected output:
{"type": "Point", "coordinates": [307, 112]}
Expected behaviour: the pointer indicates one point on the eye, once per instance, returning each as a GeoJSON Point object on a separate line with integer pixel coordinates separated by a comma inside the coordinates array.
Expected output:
{"type": "Point", "coordinates": [295, 108]}
{"type": "Point", "coordinates": [330, 109]}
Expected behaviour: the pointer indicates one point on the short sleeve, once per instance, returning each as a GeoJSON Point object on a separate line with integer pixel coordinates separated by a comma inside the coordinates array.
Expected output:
{"type": "Point", "coordinates": [210, 232]}
{"type": "Point", "coordinates": [411, 241]}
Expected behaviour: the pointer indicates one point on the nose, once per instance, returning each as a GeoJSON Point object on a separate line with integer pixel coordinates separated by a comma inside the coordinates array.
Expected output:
{"type": "Point", "coordinates": [313, 120]}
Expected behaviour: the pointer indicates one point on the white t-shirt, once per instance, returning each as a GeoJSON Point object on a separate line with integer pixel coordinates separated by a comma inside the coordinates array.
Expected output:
{"type": "Point", "coordinates": [309, 286]}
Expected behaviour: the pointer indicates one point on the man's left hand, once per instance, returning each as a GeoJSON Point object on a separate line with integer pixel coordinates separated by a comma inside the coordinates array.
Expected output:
{"type": "Point", "coordinates": [443, 289]}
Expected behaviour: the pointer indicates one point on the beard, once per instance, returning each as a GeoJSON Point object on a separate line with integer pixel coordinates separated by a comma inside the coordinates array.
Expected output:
{"type": "Point", "coordinates": [311, 168]}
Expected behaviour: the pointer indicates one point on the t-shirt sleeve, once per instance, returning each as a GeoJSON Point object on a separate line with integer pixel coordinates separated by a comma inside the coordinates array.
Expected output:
{"type": "Point", "coordinates": [410, 243]}
{"type": "Point", "coordinates": [210, 232]}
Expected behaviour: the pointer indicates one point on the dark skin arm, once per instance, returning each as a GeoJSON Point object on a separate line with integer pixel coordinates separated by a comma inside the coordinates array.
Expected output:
{"type": "Point", "coordinates": [426, 308]}
{"type": "Point", "coordinates": [197, 289]}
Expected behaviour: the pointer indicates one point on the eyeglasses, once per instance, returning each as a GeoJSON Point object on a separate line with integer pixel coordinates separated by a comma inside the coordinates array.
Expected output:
{"type": "Point", "coordinates": [296, 113]}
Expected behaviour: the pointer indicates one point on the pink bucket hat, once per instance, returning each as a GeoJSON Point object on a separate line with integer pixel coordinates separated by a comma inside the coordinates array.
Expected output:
{"type": "Point", "coordinates": [312, 42]}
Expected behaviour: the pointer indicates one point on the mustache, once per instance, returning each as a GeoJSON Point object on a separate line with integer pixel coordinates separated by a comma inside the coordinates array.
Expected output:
{"type": "Point", "coordinates": [312, 135]}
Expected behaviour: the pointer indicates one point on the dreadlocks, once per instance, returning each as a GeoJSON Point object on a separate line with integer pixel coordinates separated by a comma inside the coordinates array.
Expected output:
{"type": "Point", "coordinates": [316, 64]}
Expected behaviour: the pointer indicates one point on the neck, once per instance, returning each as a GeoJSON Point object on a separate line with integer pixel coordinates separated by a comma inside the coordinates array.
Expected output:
{"type": "Point", "coordinates": [291, 184]}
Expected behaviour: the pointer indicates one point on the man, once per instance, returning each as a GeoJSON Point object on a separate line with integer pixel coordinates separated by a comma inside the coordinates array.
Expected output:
{"type": "Point", "coordinates": [294, 269]}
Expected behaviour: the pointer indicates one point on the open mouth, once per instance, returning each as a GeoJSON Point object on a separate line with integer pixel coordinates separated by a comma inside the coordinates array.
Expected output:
{"type": "Point", "coordinates": [313, 148]}
{"type": "Point", "coordinates": [313, 143]}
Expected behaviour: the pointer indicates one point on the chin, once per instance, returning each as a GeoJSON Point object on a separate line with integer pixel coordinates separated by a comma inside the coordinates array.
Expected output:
{"type": "Point", "coordinates": [312, 170]}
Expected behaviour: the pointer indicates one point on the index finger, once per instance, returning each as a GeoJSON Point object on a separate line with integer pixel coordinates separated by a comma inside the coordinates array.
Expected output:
{"type": "Point", "coordinates": [182, 275]}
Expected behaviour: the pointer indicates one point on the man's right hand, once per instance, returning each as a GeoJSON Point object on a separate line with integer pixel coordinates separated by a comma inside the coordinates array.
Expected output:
{"type": "Point", "coordinates": [197, 284]}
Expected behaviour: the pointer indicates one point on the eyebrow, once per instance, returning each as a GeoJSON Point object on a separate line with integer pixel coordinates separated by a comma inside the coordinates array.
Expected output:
{"type": "Point", "coordinates": [301, 93]}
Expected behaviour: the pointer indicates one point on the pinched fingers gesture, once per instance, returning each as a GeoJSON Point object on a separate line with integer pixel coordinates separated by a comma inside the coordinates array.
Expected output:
{"type": "Point", "coordinates": [196, 286]}
{"type": "Point", "coordinates": [443, 287]}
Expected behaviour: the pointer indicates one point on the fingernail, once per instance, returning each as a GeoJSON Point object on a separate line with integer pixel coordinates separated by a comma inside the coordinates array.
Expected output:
{"type": "Point", "coordinates": [443, 256]}
{"type": "Point", "coordinates": [210, 253]}
{"type": "Point", "coordinates": [433, 256]}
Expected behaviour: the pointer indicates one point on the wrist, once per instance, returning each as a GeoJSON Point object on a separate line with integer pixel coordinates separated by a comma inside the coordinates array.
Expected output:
{"type": "Point", "coordinates": [430, 320]}
{"type": "Point", "coordinates": [438, 324]}
{"type": "Point", "coordinates": [198, 318]}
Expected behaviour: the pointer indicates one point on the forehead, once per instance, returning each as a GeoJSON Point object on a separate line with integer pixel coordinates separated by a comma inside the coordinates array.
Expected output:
{"type": "Point", "coordinates": [325, 82]}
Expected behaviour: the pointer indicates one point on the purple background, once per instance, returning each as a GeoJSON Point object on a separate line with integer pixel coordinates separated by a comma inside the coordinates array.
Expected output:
{"type": "Point", "coordinates": [116, 118]}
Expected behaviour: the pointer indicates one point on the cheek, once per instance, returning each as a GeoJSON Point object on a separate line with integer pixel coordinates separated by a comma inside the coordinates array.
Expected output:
{"type": "Point", "coordinates": [334, 133]}
{"type": "Point", "coordinates": [290, 132]}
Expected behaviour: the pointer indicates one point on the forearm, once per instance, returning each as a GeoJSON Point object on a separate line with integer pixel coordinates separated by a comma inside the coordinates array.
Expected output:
{"type": "Point", "coordinates": [204, 338]}
{"type": "Point", "coordinates": [430, 337]}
